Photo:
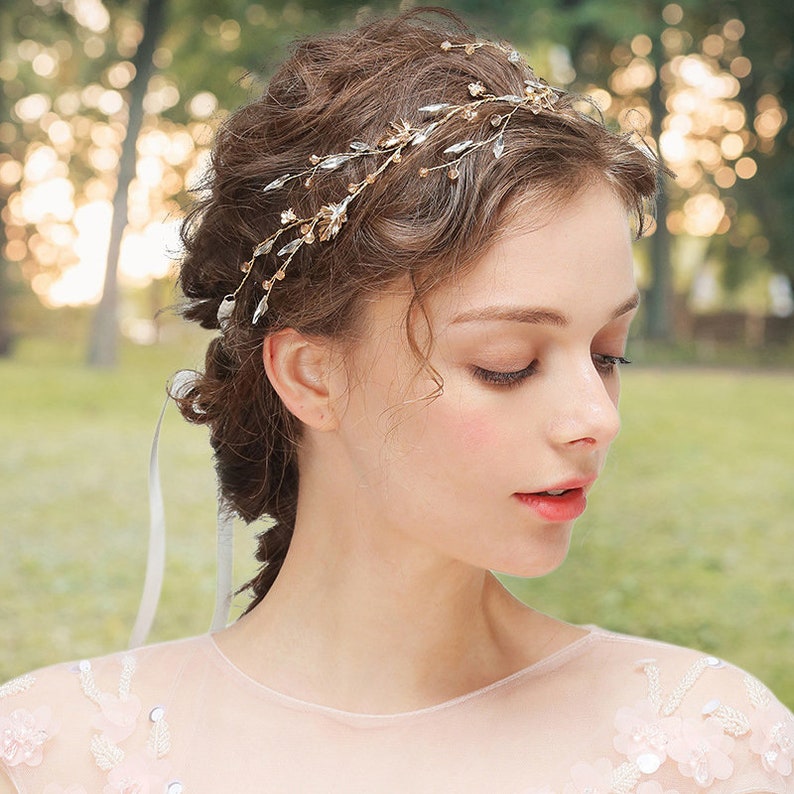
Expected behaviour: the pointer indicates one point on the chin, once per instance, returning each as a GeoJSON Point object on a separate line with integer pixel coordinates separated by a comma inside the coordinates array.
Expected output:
{"type": "Point", "coordinates": [534, 563]}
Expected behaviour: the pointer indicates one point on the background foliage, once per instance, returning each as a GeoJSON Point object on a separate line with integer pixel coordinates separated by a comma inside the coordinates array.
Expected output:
{"type": "Point", "coordinates": [686, 538]}
{"type": "Point", "coordinates": [712, 81]}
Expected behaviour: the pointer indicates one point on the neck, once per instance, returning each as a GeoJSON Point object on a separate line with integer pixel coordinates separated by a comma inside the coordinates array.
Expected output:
{"type": "Point", "coordinates": [351, 629]}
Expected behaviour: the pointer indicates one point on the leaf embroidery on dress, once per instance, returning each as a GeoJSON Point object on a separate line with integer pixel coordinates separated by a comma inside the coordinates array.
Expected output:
{"type": "Point", "coordinates": [16, 686]}
{"type": "Point", "coordinates": [116, 721]}
{"type": "Point", "coordinates": [106, 754]}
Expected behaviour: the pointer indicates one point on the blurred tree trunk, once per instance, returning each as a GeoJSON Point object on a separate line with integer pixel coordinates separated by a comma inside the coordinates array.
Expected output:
{"type": "Point", "coordinates": [103, 343]}
{"type": "Point", "coordinates": [659, 321]}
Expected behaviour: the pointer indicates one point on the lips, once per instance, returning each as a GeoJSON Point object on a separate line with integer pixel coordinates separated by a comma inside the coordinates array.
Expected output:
{"type": "Point", "coordinates": [566, 502]}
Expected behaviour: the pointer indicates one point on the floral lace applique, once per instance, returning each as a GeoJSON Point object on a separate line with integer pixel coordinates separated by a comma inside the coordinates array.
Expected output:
{"type": "Point", "coordinates": [650, 734]}
{"type": "Point", "coordinates": [23, 734]}
{"type": "Point", "coordinates": [143, 772]}
{"type": "Point", "coordinates": [702, 751]}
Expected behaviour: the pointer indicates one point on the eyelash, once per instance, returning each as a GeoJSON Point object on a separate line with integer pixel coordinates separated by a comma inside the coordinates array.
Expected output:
{"type": "Point", "coordinates": [505, 378]}
{"type": "Point", "coordinates": [604, 364]}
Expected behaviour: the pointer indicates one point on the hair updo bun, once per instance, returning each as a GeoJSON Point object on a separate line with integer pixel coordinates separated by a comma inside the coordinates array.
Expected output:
{"type": "Point", "coordinates": [334, 90]}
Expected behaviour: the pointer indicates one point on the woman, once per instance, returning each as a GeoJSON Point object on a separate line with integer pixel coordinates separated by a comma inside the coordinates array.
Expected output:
{"type": "Point", "coordinates": [416, 379]}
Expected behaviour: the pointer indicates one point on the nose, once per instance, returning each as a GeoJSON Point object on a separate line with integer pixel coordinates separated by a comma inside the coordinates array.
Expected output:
{"type": "Point", "coordinates": [585, 410]}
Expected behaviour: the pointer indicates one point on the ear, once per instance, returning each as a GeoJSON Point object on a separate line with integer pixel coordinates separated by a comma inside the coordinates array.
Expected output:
{"type": "Point", "coordinates": [303, 372]}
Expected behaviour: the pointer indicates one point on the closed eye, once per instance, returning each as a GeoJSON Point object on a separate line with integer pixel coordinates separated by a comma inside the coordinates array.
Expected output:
{"type": "Point", "coordinates": [506, 379]}
{"type": "Point", "coordinates": [606, 365]}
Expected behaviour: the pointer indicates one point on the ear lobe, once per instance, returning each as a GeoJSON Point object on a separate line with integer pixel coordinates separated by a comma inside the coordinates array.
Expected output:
{"type": "Point", "coordinates": [299, 369]}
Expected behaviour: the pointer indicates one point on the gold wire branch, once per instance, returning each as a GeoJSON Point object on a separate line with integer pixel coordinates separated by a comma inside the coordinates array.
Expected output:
{"type": "Point", "coordinates": [329, 219]}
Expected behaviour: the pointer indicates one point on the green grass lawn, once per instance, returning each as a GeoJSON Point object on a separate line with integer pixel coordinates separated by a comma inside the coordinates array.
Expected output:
{"type": "Point", "coordinates": [688, 537]}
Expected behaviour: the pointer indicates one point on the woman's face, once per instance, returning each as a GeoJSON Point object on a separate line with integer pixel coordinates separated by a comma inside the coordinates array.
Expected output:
{"type": "Point", "coordinates": [494, 471]}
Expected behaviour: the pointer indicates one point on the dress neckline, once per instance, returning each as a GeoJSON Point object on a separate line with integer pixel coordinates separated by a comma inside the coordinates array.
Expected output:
{"type": "Point", "coordinates": [555, 659]}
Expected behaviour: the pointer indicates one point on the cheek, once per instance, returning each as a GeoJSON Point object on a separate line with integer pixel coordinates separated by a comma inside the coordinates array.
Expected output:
{"type": "Point", "coordinates": [471, 430]}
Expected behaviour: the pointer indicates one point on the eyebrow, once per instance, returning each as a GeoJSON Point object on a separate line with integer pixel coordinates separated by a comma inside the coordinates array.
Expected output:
{"type": "Point", "coordinates": [535, 316]}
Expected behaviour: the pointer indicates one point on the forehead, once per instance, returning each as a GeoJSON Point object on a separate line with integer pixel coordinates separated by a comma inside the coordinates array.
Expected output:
{"type": "Point", "coordinates": [578, 257]}
{"type": "Point", "coordinates": [577, 264]}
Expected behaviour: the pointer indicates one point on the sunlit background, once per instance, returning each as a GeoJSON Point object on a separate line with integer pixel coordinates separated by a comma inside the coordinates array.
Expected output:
{"type": "Point", "coordinates": [683, 78]}
{"type": "Point", "coordinates": [683, 538]}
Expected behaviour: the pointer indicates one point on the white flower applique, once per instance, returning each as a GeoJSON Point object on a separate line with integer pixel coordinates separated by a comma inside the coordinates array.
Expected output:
{"type": "Point", "coordinates": [24, 733]}
{"type": "Point", "coordinates": [651, 733]}
{"type": "Point", "coordinates": [141, 772]}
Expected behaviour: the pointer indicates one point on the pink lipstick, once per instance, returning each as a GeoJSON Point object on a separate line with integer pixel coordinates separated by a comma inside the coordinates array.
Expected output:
{"type": "Point", "coordinates": [557, 504]}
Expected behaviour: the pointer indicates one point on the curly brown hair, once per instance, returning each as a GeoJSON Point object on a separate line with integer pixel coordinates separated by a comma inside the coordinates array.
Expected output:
{"type": "Point", "coordinates": [334, 90]}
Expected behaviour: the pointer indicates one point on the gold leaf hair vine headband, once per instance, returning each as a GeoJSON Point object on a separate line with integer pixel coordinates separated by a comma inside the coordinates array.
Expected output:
{"type": "Point", "coordinates": [326, 223]}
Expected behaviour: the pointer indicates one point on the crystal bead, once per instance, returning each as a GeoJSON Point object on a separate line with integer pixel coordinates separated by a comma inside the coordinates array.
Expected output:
{"type": "Point", "coordinates": [710, 707]}
{"type": "Point", "coordinates": [175, 787]}
{"type": "Point", "coordinates": [260, 310]}
{"type": "Point", "coordinates": [453, 174]}
{"type": "Point", "coordinates": [225, 310]}
{"type": "Point", "coordinates": [423, 172]}
{"type": "Point", "coordinates": [701, 775]}
{"type": "Point", "coordinates": [290, 247]}
{"type": "Point", "coordinates": [446, 46]}
{"type": "Point", "coordinates": [514, 57]}
{"type": "Point", "coordinates": [334, 162]}
{"type": "Point", "coordinates": [713, 661]}
{"type": "Point", "coordinates": [457, 148]}
{"type": "Point", "coordinates": [276, 183]}
{"type": "Point", "coordinates": [648, 763]}
{"type": "Point", "coordinates": [264, 247]}
{"type": "Point", "coordinates": [157, 713]}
